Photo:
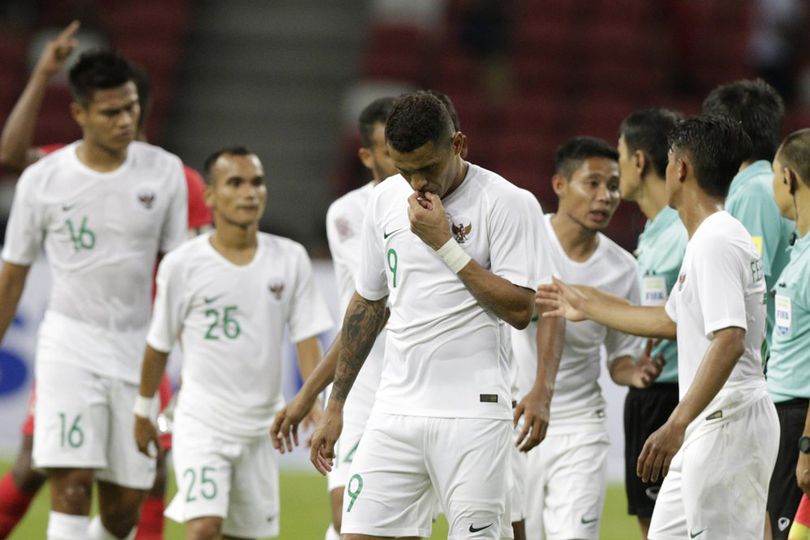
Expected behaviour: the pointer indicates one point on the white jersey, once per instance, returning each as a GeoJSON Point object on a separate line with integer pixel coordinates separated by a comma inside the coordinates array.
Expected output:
{"type": "Point", "coordinates": [344, 223]}
{"type": "Point", "coordinates": [443, 350]}
{"type": "Point", "coordinates": [101, 233]}
{"type": "Point", "coordinates": [721, 285]}
{"type": "Point", "coordinates": [577, 395]}
{"type": "Point", "coordinates": [230, 322]}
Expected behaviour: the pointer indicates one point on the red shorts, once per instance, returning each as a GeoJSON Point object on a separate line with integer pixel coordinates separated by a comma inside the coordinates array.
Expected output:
{"type": "Point", "coordinates": [164, 394]}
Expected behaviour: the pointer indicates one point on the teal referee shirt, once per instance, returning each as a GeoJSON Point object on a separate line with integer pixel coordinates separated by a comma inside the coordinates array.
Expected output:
{"type": "Point", "coordinates": [789, 365]}
{"type": "Point", "coordinates": [660, 252]}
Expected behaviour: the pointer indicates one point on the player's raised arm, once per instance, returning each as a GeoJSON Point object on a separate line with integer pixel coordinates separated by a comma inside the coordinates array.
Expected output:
{"type": "Point", "coordinates": [508, 301]}
{"type": "Point", "coordinates": [18, 132]}
{"type": "Point", "coordinates": [577, 303]}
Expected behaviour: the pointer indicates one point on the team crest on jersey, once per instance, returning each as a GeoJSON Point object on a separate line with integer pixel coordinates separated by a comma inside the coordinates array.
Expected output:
{"type": "Point", "coordinates": [277, 289]}
{"type": "Point", "coordinates": [344, 228]}
{"type": "Point", "coordinates": [462, 229]}
{"type": "Point", "coordinates": [147, 198]}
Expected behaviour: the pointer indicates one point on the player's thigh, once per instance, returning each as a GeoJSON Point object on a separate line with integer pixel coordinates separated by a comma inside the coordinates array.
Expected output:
{"type": "Point", "coordinates": [202, 468]}
{"type": "Point", "coordinates": [469, 460]}
{"type": "Point", "coordinates": [535, 485]}
{"type": "Point", "coordinates": [726, 472]}
{"type": "Point", "coordinates": [668, 521]}
{"type": "Point", "coordinates": [389, 493]}
{"type": "Point", "coordinates": [517, 485]}
{"type": "Point", "coordinates": [126, 466]}
{"type": "Point", "coordinates": [784, 494]}
{"type": "Point", "coordinates": [644, 412]}
{"type": "Point", "coordinates": [253, 509]}
{"type": "Point", "coordinates": [576, 482]}
{"type": "Point", "coordinates": [71, 423]}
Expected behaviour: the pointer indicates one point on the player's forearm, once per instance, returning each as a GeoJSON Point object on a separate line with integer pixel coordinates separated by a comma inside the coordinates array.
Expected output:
{"type": "Point", "coordinates": [807, 423]}
{"type": "Point", "coordinates": [361, 324]}
{"type": "Point", "coordinates": [12, 282]}
{"type": "Point", "coordinates": [725, 350]}
{"type": "Point", "coordinates": [154, 364]}
{"type": "Point", "coordinates": [645, 321]}
{"type": "Point", "coordinates": [18, 132]}
{"type": "Point", "coordinates": [509, 302]}
{"type": "Point", "coordinates": [622, 370]}
{"type": "Point", "coordinates": [550, 341]}
{"type": "Point", "coordinates": [309, 355]}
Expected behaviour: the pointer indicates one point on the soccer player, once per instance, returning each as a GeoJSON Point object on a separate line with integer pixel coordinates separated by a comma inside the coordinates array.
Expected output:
{"type": "Point", "coordinates": [642, 168]}
{"type": "Point", "coordinates": [757, 106]}
{"type": "Point", "coordinates": [718, 447]}
{"type": "Point", "coordinates": [789, 366]}
{"type": "Point", "coordinates": [20, 484]}
{"type": "Point", "coordinates": [344, 221]}
{"type": "Point", "coordinates": [228, 297]}
{"type": "Point", "coordinates": [103, 207]}
{"type": "Point", "coordinates": [444, 384]}
{"type": "Point", "coordinates": [566, 476]}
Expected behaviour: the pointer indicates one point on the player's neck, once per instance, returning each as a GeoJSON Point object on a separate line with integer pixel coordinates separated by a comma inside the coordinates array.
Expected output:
{"type": "Point", "coordinates": [578, 242]}
{"type": "Point", "coordinates": [461, 174]}
{"type": "Point", "coordinates": [695, 207]}
{"type": "Point", "coordinates": [652, 198]}
{"type": "Point", "coordinates": [234, 242]}
{"type": "Point", "coordinates": [803, 212]}
{"type": "Point", "coordinates": [98, 158]}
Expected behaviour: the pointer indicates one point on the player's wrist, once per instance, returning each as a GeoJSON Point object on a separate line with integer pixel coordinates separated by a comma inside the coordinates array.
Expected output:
{"type": "Point", "coordinates": [143, 407]}
{"type": "Point", "coordinates": [453, 255]}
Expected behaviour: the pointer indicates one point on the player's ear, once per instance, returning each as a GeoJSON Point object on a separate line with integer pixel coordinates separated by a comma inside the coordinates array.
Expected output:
{"type": "Point", "coordinates": [558, 184]}
{"type": "Point", "coordinates": [208, 193]}
{"type": "Point", "coordinates": [459, 142]}
{"type": "Point", "coordinates": [366, 157]}
{"type": "Point", "coordinates": [641, 162]}
{"type": "Point", "coordinates": [79, 113]}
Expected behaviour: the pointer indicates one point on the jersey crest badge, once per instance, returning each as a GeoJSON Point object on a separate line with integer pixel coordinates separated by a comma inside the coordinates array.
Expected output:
{"type": "Point", "coordinates": [344, 228]}
{"type": "Point", "coordinates": [146, 198]}
{"type": "Point", "coordinates": [461, 230]}
{"type": "Point", "coordinates": [277, 289]}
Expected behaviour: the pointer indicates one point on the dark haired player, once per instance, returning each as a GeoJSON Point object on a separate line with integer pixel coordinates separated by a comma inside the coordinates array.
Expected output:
{"type": "Point", "coordinates": [103, 208]}
{"type": "Point", "coordinates": [718, 447]}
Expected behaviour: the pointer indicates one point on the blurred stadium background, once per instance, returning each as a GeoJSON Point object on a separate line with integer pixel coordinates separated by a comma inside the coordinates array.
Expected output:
{"type": "Point", "coordinates": [288, 78]}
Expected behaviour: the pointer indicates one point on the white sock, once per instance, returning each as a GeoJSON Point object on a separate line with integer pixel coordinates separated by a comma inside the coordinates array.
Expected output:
{"type": "Point", "coordinates": [97, 531]}
{"type": "Point", "coordinates": [331, 533]}
{"type": "Point", "coordinates": [67, 527]}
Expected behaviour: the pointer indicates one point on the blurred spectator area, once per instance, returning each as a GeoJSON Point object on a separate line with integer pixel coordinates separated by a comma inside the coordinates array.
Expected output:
{"type": "Point", "coordinates": [151, 33]}
{"type": "Point", "coordinates": [546, 70]}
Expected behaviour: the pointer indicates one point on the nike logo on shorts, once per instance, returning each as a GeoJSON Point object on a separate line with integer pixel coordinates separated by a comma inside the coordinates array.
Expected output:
{"type": "Point", "coordinates": [209, 299]}
{"type": "Point", "coordinates": [474, 529]}
{"type": "Point", "coordinates": [588, 521]}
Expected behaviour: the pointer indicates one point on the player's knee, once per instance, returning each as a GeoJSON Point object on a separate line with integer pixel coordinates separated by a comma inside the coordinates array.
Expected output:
{"type": "Point", "coordinates": [73, 489]}
{"type": "Point", "coordinates": [204, 528]}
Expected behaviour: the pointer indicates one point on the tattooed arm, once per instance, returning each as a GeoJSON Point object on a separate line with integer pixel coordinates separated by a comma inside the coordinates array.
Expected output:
{"type": "Point", "coordinates": [363, 321]}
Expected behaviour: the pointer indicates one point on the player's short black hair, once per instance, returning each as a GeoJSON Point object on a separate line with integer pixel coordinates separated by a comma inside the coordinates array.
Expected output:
{"type": "Point", "coordinates": [98, 70]}
{"type": "Point", "coordinates": [448, 104]}
{"type": "Point", "coordinates": [646, 130]}
{"type": "Point", "coordinates": [757, 106]}
{"type": "Point", "coordinates": [717, 146]}
{"type": "Point", "coordinates": [376, 112]}
{"type": "Point", "coordinates": [231, 151]}
{"type": "Point", "coordinates": [144, 86]}
{"type": "Point", "coordinates": [417, 119]}
{"type": "Point", "coordinates": [795, 153]}
{"type": "Point", "coordinates": [570, 155]}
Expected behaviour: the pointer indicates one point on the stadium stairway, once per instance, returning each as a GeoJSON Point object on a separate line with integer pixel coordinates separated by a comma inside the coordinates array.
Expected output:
{"type": "Point", "coordinates": [270, 75]}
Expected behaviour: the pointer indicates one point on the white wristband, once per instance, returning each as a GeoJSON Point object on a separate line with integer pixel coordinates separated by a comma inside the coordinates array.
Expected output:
{"type": "Point", "coordinates": [453, 256]}
{"type": "Point", "coordinates": [143, 406]}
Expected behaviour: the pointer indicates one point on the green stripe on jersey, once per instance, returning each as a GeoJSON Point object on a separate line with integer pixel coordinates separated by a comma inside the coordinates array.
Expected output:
{"type": "Point", "coordinates": [789, 365]}
{"type": "Point", "coordinates": [660, 253]}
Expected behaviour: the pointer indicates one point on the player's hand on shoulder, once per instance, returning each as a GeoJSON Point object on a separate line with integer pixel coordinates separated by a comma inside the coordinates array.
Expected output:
{"type": "Point", "coordinates": [146, 433]}
{"type": "Point", "coordinates": [322, 452]}
{"type": "Point", "coordinates": [428, 219]}
{"type": "Point", "coordinates": [57, 51]}
{"type": "Point", "coordinates": [535, 411]}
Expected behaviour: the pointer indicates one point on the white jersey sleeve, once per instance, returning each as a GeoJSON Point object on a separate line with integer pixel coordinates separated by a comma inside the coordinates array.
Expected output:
{"type": "Point", "coordinates": [721, 275]}
{"type": "Point", "coordinates": [170, 306]}
{"type": "Point", "coordinates": [515, 222]}
{"type": "Point", "coordinates": [619, 344]}
{"type": "Point", "coordinates": [343, 228]}
{"type": "Point", "coordinates": [175, 225]}
{"type": "Point", "coordinates": [25, 231]}
{"type": "Point", "coordinates": [309, 315]}
{"type": "Point", "coordinates": [371, 282]}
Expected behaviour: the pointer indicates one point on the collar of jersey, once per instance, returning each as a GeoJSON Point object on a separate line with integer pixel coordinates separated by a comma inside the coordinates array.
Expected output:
{"type": "Point", "coordinates": [662, 221]}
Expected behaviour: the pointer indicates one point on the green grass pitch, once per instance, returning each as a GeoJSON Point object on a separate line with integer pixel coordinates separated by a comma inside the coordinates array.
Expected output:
{"type": "Point", "coordinates": [305, 512]}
